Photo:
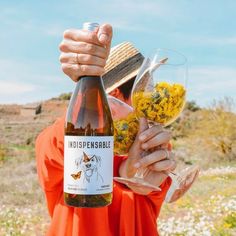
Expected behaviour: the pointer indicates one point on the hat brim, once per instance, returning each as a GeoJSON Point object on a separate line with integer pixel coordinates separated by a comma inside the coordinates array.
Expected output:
{"type": "Point", "coordinates": [122, 81]}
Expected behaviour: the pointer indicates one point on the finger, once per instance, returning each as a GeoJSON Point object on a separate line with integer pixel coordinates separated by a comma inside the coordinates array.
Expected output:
{"type": "Point", "coordinates": [160, 147]}
{"type": "Point", "coordinates": [105, 34]}
{"type": "Point", "coordinates": [157, 178]}
{"type": "Point", "coordinates": [151, 132]}
{"type": "Point", "coordinates": [135, 150]}
{"type": "Point", "coordinates": [85, 59]}
{"type": "Point", "coordinates": [82, 36]}
{"type": "Point", "coordinates": [136, 145]}
{"type": "Point", "coordinates": [69, 46]}
{"type": "Point", "coordinates": [143, 125]}
{"type": "Point", "coordinates": [157, 140]}
{"type": "Point", "coordinates": [165, 165]}
{"type": "Point", "coordinates": [173, 167]}
{"type": "Point", "coordinates": [74, 71]}
{"type": "Point", "coordinates": [164, 146]}
{"type": "Point", "coordinates": [151, 158]}
{"type": "Point", "coordinates": [91, 70]}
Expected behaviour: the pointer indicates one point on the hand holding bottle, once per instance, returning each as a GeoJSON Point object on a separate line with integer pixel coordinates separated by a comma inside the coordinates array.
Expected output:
{"type": "Point", "coordinates": [84, 52]}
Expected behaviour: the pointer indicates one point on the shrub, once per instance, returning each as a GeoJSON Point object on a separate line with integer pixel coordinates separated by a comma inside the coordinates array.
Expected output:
{"type": "Point", "coordinates": [209, 134]}
{"type": "Point", "coordinates": [192, 106]}
{"type": "Point", "coordinates": [216, 127]}
{"type": "Point", "coordinates": [65, 96]}
{"type": "Point", "coordinates": [2, 154]}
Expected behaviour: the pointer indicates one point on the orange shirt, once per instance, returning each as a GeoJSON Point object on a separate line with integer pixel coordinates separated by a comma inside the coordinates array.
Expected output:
{"type": "Point", "coordinates": [129, 214]}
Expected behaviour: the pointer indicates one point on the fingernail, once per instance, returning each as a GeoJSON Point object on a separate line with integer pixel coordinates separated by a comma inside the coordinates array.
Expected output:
{"type": "Point", "coordinates": [137, 165]}
{"type": "Point", "coordinates": [103, 38]}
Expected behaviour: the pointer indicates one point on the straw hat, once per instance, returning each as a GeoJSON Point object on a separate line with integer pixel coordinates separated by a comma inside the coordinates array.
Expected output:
{"type": "Point", "coordinates": [122, 65]}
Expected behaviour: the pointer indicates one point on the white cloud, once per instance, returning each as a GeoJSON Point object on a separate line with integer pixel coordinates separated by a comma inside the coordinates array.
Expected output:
{"type": "Point", "coordinates": [12, 88]}
{"type": "Point", "coordinates": [15, 70]}
{"type": "Point", "coordinates": [128, 15]}
{"type": "Point", "coordinates": [208, 40]}
{"type": "Point", "coordinates": [53, 30]}
{"type": "Point", "coordinates": [230, 40]}
{"type": "Point", "coordinates": [25, 82]}
{"type": "Point", "coordinates": [19, 20]}
{"type": "Point", "coordinates": [8, 11]}
{"type": "Point", "coordinates": [211, 82]}
{"type": "Point", "coordinates": [213, 77]}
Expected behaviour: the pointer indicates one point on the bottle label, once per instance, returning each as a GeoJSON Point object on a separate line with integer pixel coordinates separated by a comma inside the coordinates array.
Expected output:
{"type": "Point", "coordinates": [88, 164]}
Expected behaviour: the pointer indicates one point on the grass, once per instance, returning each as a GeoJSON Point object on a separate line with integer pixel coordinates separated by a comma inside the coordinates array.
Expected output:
{"type": "Point", "coordinates": [23, 209]}
{"type": "Point", "coordinates": [2, 154]}
{"type": "Point", "coordinates": [209, 206]}
{"type": "Point", "coordinates": [19, 221]}
{"type": "Point", "coordinates": [22, 206]}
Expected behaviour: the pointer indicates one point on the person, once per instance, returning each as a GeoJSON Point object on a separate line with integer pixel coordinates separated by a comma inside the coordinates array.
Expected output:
{"type": "Point", "coordinates": [134, 209]}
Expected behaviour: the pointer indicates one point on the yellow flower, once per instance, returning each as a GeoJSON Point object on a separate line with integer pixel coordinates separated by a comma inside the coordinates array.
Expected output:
{"type": "Point", "coordinates": [162, 105]}
{"type": "Point", "coordinates": [125, 131]}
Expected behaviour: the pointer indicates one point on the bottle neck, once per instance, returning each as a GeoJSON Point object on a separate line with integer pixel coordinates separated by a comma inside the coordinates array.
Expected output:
{"type": "Point", "coordinates": [89, 77]}
{"type": "Point", "coordinates": [90, 82]}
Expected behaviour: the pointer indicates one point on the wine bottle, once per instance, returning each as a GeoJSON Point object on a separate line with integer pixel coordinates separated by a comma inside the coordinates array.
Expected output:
{"type": "Point", "coordinates": [88, 144]}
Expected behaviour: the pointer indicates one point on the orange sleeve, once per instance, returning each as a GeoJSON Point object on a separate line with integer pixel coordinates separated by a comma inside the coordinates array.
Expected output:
{"type": "Point", "coordinates": [158, 197]}
{"type": "Point", "coordinates": [50, 161]}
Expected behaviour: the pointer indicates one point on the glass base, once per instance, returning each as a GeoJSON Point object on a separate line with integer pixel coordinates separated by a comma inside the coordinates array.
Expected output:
{"type": "Point", "coordinates": [137, 182]}
{"type": "Point", "coordinates": [181, 183]}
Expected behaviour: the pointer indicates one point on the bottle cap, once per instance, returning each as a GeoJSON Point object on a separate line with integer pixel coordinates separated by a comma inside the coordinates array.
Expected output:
{"type": "Point", "coordinates": [90, 26]}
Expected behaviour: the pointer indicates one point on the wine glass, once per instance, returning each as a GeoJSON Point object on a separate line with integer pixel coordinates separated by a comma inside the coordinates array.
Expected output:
{"type": "Point", "coordinates": [125, 125]}
{"type": "Point", "coordinates": [159, 95]}
{"type": "Point", "coordinates": [125, 130]}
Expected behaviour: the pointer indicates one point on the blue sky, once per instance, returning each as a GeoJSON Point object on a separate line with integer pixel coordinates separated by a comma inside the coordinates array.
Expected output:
{"type": "Point", "coordinates": [205, 31]}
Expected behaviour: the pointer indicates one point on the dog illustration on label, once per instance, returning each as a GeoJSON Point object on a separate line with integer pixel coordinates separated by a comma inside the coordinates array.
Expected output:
{"type": "Point", "coordinates": [89, 166]}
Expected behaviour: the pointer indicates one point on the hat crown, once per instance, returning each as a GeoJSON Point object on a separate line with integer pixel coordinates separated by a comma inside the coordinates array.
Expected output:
{"type": "Point", "coordinates": [119, 54]}
{"type": "Point", "coordinates": [122, 65]}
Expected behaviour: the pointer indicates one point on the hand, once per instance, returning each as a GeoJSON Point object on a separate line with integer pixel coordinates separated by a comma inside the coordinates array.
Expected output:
{"type": "Point", "coordinates": [159, 160]}
{"type": "Point", "coordinates": [84, 52]}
